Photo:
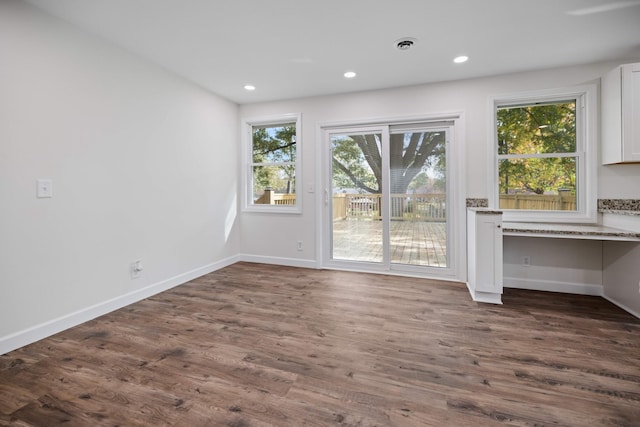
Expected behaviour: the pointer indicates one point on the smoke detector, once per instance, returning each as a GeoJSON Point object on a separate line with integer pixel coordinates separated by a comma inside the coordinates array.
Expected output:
{"type": "Point", "coordinates": [404, 43]}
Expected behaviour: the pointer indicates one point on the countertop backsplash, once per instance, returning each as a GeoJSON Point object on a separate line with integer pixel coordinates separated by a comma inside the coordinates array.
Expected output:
{"type": "Point", "coordinates": [613, 206]}
{"type": "Point", "coordinates": [619, 206]}
{"type": "Point", "coordinates": [477, 203]}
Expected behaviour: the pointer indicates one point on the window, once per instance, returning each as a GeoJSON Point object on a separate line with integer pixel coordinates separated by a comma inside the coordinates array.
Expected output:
{"type": "Point", "coordinates": [543, 155]}
{"type": "Point", "coordinates": [272, 156]}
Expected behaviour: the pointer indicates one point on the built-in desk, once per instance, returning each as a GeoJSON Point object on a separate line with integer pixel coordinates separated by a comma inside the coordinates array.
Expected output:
{"type": "Point", "coordinates": [568, 231]}
{"type": "Point", "coordinates": [485, 231]}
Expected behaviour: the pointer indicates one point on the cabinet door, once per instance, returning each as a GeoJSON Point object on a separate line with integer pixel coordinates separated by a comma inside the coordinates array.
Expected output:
{"type": "Point", "coordinates": [631, 113]}
{"type": "Point", "coordinates": [489, 254]}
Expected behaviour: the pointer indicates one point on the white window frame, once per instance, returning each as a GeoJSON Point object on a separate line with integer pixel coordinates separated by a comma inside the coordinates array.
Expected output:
{"type": "Point", "coordinates": [586, 97]}
{"type": "Point", "coordinates": [247, 161]}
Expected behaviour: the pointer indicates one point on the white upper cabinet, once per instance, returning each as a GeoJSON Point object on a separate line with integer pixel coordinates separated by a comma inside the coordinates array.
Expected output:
{"type": "Point", "coordinates": [621, 115]}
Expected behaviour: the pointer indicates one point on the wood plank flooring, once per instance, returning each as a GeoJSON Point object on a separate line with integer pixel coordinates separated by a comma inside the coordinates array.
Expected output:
{"type": "Point", "coordinates": [411, 242]}
{"type": "Point", "coordinates": [258, 345]}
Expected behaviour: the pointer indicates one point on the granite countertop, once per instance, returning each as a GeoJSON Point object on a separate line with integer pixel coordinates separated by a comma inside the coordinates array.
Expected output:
{"type": "Point", "coordinates": [629, 207]}
{"type": "Point", "coordinates": [597, 232]}
{"type": "Point", "coordinates": [485, 211]}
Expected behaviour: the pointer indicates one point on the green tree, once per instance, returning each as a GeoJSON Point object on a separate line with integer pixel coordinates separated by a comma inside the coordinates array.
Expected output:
{"type": "Point", "coordinates": [357, 161]}
{"type": "Point", "coordinates": [274, 150]}
{"type": "Point", "coordinates": [352, 167]}
{"type": "Point", "coordinates": [531, 130]}
{"type": "Point", "coordinates": [421, 180]}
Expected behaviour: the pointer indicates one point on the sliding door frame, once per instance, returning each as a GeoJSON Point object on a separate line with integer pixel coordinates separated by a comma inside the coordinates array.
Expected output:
{"type": "Point", "coordinates": [456, 189]}
{"type": "Point", "coordinates": [383, 130]}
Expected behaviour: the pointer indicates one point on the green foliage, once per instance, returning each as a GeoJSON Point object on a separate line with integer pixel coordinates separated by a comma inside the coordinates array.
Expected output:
{"type": "Point", "coordinates": [537, 129]}
{"type": "Point", "coordinates": [357, 161]}
{"type": "Point", "coordinates": [274, 151]}
{"type": "Point", "coordinates": [421, 180]}
{"type": "Point", "coordinates": [412, 153]}
{"type": "Point", "coordinates": [351, 167]}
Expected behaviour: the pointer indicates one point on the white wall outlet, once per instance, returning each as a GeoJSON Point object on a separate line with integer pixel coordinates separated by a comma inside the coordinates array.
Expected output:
{"type": "Point", "coordinates": [526, 261]}
{"type": "Point", "coordinates": [299, 245]}
{"type": "Point", "coordinates": [135, 269]}
{"type": "Point", "coordinates": [44, 188]}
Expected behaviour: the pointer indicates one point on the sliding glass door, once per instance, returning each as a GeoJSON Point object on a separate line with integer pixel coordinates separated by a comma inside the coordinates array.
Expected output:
{"type": "Point", "coordinates": [418, 187]}
{"type": "Point", "coordinates": [387, 197]}
{"type": "Point", "coordinates": [356, 196]}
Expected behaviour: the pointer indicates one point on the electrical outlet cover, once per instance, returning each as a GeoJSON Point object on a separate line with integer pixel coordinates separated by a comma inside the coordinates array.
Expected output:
{"type": "Point", "coordinates": [135, 269]}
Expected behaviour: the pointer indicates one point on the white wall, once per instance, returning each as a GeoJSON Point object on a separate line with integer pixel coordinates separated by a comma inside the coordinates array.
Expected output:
{"type": "Point", "coordinates": [262, 235]}
{"type": "Point", "coordinates": [144, 166]}
{"type": "Point", "coordinates": [556, 264]}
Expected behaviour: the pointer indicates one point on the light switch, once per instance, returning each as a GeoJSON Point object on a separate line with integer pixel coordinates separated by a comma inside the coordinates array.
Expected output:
{"type": "Point", "coordinates": [44, 188]}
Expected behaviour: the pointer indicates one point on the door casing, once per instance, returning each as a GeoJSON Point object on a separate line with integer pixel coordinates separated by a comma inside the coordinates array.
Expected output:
{"type": "Point", "coordinates": [456, 180]}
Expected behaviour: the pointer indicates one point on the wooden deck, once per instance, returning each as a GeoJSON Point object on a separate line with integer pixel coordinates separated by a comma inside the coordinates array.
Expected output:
{"type": "Point", "coordinates": [256, 345]}
{"type": "Point", "coordinates": [411, 242]}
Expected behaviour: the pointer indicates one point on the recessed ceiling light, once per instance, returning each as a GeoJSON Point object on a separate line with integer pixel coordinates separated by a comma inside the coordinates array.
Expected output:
{"type": "Point", "coordinates": [460, 59]}
{"type": "Point", "coordinates": [350, 74]}
{"type": "Point", "coordinates": [249, 87]}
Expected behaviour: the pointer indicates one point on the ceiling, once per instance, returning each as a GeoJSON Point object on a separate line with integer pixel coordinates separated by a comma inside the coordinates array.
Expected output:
{"type": "Point", "coordinates": [297, 48]}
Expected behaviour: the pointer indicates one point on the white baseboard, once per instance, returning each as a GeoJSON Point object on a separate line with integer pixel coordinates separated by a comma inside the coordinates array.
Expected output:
{"type": "Point", "coordinates": [35, 333]}
{"type": "Point", "coordinates": [622, 306]}
{"type": "Point", "coordinates": [289, 262]}
{"type": "Point", "coordinates": [554, 286]}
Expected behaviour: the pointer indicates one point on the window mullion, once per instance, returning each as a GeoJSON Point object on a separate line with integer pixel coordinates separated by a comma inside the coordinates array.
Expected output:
{"type": "Point", "coordinates": [537, 156]}
{"type": "Point", "coordinates": [274, 164]}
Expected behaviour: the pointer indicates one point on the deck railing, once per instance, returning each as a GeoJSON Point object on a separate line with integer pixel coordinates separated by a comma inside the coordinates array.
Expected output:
{"type": "Point", "coordinates": [270, 197]}
{"type": "Point", "coordinates": [432, 206]}
{"type": "Point", "coordinates": [417, 207]}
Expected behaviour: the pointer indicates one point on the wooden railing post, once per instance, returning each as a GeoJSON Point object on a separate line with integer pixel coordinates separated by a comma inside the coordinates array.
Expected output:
{"type": "Point", "coordinates": [339, 206]}
{"type": "Point", "coordinates": [268, 196]}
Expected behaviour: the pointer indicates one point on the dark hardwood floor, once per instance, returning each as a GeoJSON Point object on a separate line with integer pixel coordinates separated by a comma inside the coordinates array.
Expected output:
{"type": "Point", "coordinates": [258, 345]}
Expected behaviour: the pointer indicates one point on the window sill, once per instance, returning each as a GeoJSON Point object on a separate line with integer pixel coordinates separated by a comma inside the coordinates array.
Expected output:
{"type": "Point", "coordinates": [272, 210]}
